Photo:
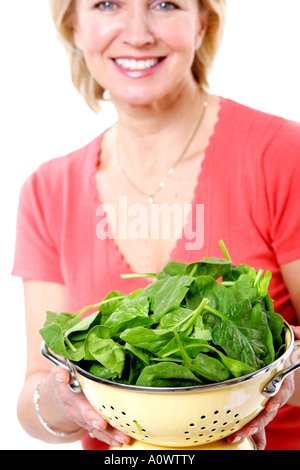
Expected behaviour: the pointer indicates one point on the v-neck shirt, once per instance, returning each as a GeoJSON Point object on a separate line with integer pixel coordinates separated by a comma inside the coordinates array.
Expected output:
{"type": "Point", "coordinates": [248, 188]}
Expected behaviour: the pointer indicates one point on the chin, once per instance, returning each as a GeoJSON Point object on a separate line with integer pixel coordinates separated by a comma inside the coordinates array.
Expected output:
{"type": "Point", "coordinates": [144, 97]}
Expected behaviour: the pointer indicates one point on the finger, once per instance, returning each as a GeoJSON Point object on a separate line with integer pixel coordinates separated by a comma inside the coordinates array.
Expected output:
{"type": "Point", "coordinates": [268, 414]}
{"type": "Point", "coordinates": [260, 440]}
{"type": "Point", "coordinates": [61, 375]}
{"type": "Point", "coordinates": [94, 423]}
{"type": "Point", "coordinates": [78, 409]}
{"type": "Point", "coordinates": [111, 436]}
{"type": "Point", "coordinates": [286, 391]}
{"type": "Point", "coordinates": [256, 426]}
{"type": "Point", "coordinates": [106, 433]}
{"type": "Point", "coordinates": [75, 406]}
{"type": "Point", "coordinates": [296, 330]}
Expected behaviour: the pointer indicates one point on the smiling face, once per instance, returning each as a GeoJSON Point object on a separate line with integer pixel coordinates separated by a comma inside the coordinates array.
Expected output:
{"type": "Point", "coordinates": [139, 50]}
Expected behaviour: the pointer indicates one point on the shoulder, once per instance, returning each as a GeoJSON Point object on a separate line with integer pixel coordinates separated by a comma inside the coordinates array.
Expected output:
{"type": "Point", "coordinates": [261, 130]}
{"type": "Point", "coordinates": [77, 162]}
{"type": "Point", "coordinates": [53, 176]}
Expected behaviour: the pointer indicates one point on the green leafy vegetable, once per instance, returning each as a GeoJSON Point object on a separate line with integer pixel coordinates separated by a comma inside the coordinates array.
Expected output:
{"type": "Point", "coordinates": [198, 323]}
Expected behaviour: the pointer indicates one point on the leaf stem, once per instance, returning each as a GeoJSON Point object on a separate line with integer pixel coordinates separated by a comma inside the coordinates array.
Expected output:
{"type": "Point", "coordinates": [228, 283]}
{"type": "Point", "coordinates": [137, 275]}
{"type": "Point", "coordinates": [258, 276]}
{"type": "Point", "coordinates": [193, 271]}
{"type": "Point", "coordinates": [182, 321]}
{"type": "Point", "coordinates": [194, 315]}
{"type": "Point", "coordinates": [138, 426]}
{"type": "Point", "coordinates": [218, 314]}
{"type": "Point", "coordinates": [186, 347]}
{"type": "Point", "coordinates": [224, 250]}
{"type": "Point", "coordinates": [71, 346]}
{"type": "Point", "coordinates": [167, 359]}
{"type": "Point", "coordinates": [215, 312]}
{"type": "Point", "coordinates": [185, 357]}
{"type": "Point", "coordinates": [103, 302]}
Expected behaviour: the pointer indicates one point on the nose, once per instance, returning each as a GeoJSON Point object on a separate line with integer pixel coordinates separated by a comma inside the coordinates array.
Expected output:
{"type": "Point", "coordinates": [137, 30]}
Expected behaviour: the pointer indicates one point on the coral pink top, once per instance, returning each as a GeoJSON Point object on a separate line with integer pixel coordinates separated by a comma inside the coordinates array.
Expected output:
{"type": "Point", "coordinates": [249, 186]}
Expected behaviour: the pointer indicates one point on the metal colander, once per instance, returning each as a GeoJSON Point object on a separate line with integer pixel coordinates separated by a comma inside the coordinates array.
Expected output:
{"type": "Point", "coordinates": [187, 416]}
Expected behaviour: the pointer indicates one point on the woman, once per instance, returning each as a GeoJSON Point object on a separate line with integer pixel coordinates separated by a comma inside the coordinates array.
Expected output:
{"type": "Point", "coordinates": [174, 146]}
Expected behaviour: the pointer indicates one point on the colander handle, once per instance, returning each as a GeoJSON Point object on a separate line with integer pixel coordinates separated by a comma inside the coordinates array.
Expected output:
{"type": "Point", "coordinates": [74, 384]}
{"type": "Point", "coordinates": [273, 387]}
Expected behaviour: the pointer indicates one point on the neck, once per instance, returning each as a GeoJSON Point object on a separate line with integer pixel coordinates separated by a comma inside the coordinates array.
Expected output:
{"type": "Point", "coordinates": [152, 137]}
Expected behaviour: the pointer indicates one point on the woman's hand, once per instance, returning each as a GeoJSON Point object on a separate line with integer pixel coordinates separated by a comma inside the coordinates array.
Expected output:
{"type": "Point", "coordinates": [256, 428]}
{"type": "Point", "coordinates": [77, 409]}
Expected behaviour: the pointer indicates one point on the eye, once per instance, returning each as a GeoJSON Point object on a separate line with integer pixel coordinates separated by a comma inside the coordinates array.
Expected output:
{"type": "Point", "coordinates": [166, 6]}
{"type": "Point", "coordinates": [106, 6]}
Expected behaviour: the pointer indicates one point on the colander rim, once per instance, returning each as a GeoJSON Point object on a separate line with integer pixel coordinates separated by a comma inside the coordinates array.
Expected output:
{"type": "Point", "coordinates": [194, 388]}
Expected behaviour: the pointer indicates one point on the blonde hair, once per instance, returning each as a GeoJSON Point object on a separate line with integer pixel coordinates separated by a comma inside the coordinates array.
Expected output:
{"type": "Point", "coordinates": [87, 86]}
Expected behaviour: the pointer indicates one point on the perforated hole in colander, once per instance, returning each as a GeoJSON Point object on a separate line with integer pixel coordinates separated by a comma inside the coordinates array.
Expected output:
{"type": "Point", "coordinates": [204, 429]}
{"type": "Point", "coordinates": [122, 420]}
{"type": "Point", "coordinates": [210, 429]}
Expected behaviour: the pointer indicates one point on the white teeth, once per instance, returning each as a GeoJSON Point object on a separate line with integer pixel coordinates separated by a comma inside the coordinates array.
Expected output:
{"type": "Point", "coordinates": [132, 64]}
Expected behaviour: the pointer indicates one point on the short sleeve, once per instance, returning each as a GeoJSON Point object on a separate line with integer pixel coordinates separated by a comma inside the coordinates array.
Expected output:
{"type": "Point", "coordinates": [282, 179]}
{"type": "Point", "coordinates": [36, 253]}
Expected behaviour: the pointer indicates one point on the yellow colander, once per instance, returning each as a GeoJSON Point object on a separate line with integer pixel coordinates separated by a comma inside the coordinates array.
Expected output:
{"type": "Point", "coordinates": [183, 416]}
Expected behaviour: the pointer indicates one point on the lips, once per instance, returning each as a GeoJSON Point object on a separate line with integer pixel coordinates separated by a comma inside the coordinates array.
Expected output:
{"type": "Point", "coordinates": [133, 64]}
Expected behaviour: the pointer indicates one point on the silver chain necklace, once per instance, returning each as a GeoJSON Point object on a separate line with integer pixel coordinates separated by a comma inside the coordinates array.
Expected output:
{"type": "Point", "coordinates": [151, 197]}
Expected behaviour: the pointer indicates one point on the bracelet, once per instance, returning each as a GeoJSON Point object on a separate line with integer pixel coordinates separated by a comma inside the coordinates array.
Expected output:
{"type": "Point", "coordinates": [36, 399]}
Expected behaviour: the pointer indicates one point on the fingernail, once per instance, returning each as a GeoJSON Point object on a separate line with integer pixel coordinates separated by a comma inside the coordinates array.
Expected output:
{"type": "Point", "coordinates": [273, 407]}
{"type": "Point", "coordinates": [101, 425]}
{"type": "Point", "coordinates": [251, 431]}
{"type": "Point", "coordinates": [122, 439]}
{"type": "Point", "coordinates": [58, 378]}
{"type": "Point", "coordinates": [236, 439]}
{"type": "Point", "coordinates": [116, 443]}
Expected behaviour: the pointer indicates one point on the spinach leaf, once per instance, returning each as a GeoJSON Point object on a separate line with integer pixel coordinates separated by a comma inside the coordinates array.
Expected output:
{"type": "Point", "coordinates": [193, 348]}
{"type": "Point", "coordinates": [244, 334]}
{"type": "Point", "coordinates": [202, 322]}
{"type": "Point", "coordinates": [236, 367]}
{"type": "Point", "coordinates": [276, 326]}
{"type": "Point", "coordinates": [138, 353]}
{"type": "Point", "coordinates": [65, 320]}
{"type": "Point", "coordinates": [235, 272]}
{"type": "Point", "coordinates": [151, 290]}
{"type": "Point", "coordinates": [102, 372]}
{"type": "Point", "coordinates": [76, 351]}
{"type": "Point", "coordinates": [99, 331]}
{"type": "Point", "coordinates": [244, 288]}
{"type": "Point", "coordinates": [149, 339]}
{"type": "Point", "coordinates": [252, 285]}
{"type": "Point", "coordinates": [111, 301]}
{"type": "Point", "coordinates": [170, 295]}
{"type": "Point", "coordinates": [213, 267]}
{"type": "Point", "coordinates": [167, 374]}
{"type": "Point", "coordinates": [207, 287]}
{"type": "Point", "coordinates": [203, 366]}
{"type": "Point", "coordinates": [174, 268]}
{"type": "Point", "coordinates": [78, 331]}
{"type": "Point", "coordinates": [208, 368]}
{"type": "Point", "coordinates": [100, 347]}
{"type": "Point", "coordinates": [53, 336]}
{"type": "Point", "coordinates": [109, 353]}
{"type": "Point", "coordinates": [174, 318]}
{"type": "Point", "coordinates": [131, 313]}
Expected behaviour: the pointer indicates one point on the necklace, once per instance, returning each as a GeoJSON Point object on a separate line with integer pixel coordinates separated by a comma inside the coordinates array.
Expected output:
{"type": "Point", "coordinates": [151, 197]}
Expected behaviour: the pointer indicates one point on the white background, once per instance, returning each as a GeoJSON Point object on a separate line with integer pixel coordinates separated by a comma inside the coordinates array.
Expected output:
{"type": "Point", "coordinates": [42, 117]}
